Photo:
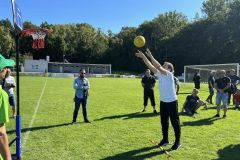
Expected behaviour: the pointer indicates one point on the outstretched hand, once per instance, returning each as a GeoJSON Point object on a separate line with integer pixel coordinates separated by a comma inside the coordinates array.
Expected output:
{"type": "Point", "coordinates": [139, 54]}
{"type": "Point", "coordinates": [148, 53]}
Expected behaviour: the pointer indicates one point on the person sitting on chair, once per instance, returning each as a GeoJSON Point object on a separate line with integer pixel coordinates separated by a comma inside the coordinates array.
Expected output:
{"type": "Point", "coordinates": [192, 103]}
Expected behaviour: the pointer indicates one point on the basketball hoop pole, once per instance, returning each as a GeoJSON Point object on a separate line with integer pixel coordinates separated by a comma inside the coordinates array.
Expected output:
{"type": "Point", "coordinates": [18, 117]}
{"type": "Point", "coordinates": [18, 25]}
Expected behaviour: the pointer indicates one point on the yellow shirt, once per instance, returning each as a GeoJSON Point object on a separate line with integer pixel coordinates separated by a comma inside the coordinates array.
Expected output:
{"type": "Point", "coordinates": [4, 104]}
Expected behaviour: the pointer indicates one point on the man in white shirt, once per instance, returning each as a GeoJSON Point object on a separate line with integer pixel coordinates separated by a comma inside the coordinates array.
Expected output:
{"type": "Point", "coordinates": [168, 97]}
{"type": "Point", "coordinates": [8, 85]}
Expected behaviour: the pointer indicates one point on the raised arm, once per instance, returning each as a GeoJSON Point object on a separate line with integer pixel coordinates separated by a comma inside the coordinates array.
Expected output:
{"type": "Point", "coordinates": [155, 63]}
{"type": "Point", "coordinates": [140, 54]}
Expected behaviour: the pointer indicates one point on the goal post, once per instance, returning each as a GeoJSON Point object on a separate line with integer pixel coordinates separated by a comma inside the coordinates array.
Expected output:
{"type": "Point", "coordinates": [205, 70]}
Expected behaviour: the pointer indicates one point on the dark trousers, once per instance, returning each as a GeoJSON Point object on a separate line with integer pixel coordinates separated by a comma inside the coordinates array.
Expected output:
{"type": "Point", "coordinates": [170, 110]}
{"type": "Point", "coordinates": [79, 101]}
{"type": "Point", "coordinates": [211, 91]}
{"type": "Point", "coordinates": [149, 93]}
{"type": "Point", "coordinates": [197, 85]}
{"type": "Point", "coordinates": [231, 91]}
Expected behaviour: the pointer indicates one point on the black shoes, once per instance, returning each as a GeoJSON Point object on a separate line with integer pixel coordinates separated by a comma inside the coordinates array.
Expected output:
{"type": "Point", "coordinates": [87, 121]}
{"type": "Point", "coordinates": [163, 143]}
{"type": "Point", "coordinates": [217, 115]}
{"type": "Point", "coordinates": [176, 145]}
{"type": "Point", "coordinates": [154, 111]}
{"type": "Point", "coordinates": [73, 122]}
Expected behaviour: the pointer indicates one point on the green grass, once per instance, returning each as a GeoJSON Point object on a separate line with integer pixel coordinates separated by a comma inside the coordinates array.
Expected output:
{"type": "Point", "coordinates": [118, 129]}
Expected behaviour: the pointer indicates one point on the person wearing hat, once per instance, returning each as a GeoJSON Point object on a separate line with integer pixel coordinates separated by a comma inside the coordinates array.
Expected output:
{"type": "Point", "coordinates": [4, 148]}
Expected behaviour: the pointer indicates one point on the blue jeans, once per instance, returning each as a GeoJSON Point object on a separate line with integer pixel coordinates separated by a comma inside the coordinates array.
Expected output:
{"type": "Point", "coordinates": [79, 101]}
{"type": "Point", "coordinates": [221, 97]}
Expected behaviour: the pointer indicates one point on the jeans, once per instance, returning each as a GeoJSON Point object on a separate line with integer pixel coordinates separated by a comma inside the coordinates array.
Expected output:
{"type": "Point", "coordinates": [222, 97]}
{"type": "Point", "coordinates": [79, 101]}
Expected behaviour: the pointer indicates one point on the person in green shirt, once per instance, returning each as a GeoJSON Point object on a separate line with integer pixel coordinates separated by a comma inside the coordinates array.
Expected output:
{"type": "Point", "coordinates": [4, 148]}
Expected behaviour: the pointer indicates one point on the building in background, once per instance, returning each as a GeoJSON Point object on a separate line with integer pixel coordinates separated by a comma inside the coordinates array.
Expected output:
{"type": "Point", "coordinates": [60, 67]}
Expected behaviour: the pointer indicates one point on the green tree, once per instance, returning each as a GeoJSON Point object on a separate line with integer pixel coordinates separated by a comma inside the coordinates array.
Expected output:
{"type": "Point", "coordinates": [6, 41]}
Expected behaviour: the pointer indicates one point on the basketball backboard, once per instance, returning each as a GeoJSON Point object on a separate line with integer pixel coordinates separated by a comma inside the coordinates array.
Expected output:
{"type": "Point", "coordinates": [17, 16]}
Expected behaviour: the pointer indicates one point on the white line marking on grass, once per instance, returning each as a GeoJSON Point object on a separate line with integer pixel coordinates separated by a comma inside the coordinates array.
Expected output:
{"type": "Point", "coordinates": [33, 117]}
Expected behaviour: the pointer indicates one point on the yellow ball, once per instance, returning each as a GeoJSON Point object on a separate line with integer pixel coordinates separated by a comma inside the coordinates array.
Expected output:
{"type": "Point", "coordinates": [139, 41]}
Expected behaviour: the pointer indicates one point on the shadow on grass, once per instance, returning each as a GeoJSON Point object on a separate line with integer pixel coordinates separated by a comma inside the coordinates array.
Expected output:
{"type": "Point", "coordinates": [185, 93]}
{"type": "Point", "coordinates": [129, 116]}
{"type": "Point", "coordinates": [229, 152]}
{"type": "Point", "coordinates": [39, 128]}
{"type": "Point", "coordinates": [201, 122]}
{"type": "Point", "coordinates": [136, 154]}
{"type": "Point", "coordinates": [231, 107]}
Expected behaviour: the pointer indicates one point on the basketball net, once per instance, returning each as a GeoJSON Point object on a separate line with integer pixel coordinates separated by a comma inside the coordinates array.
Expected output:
{"type": "Point", "coordinates": [38, 35]}
{"type": "Point", "coordinates": [38, 40]}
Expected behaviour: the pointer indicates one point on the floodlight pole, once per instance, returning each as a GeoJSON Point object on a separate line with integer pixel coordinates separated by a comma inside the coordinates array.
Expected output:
{"type": "Point", "coordinates": [18, 117]}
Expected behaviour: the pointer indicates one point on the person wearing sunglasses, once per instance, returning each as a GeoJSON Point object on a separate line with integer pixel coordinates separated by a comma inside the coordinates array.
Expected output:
{"type": "Point", "coordinates": [4, 148]}
{"type": "Point", "coordinates": [81, 86]}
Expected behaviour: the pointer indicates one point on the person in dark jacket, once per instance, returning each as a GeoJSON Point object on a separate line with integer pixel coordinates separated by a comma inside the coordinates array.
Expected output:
{"type": "Point", "coordinates": [196, 80]}
{"type": "Point", "coordinates": [148, 83]}
{"type": "Point", "coordinates": [211, 81]}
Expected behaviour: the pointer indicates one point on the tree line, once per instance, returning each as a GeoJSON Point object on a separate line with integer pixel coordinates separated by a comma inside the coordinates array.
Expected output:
{"type": "Point", "coordinates": [209, 39]}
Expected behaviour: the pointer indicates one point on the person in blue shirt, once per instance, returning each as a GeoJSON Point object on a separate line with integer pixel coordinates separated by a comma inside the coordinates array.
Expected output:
{"type": "Point", "coordinates": [81, 86]}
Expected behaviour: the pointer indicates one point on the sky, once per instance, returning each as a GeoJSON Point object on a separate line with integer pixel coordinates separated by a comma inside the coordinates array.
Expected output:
{"type": "Point", "coordinates": [105, 14]}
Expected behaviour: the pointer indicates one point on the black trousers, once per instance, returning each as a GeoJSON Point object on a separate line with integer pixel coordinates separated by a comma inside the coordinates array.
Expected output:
{"type": "Point", "coordinates": [78, 102]}
{"type": "Point", "coordinates": [170, 110]}
{"type": "Point", "coordinates": [148, 93]}
{"type": "Point", "coordinates": [231, 91]}
{"type": "Point", "coordinates": [197, 85]}
{"type": "Point", "coordinates": [211, 93]}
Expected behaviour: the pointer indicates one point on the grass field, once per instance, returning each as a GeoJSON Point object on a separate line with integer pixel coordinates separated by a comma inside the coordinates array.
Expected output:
{"type": "Point", "coordinates": [119, 131]}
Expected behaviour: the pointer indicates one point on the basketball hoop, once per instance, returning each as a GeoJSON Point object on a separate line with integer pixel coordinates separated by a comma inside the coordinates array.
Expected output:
{"type": "Point", "coordinates": [38, 35]}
